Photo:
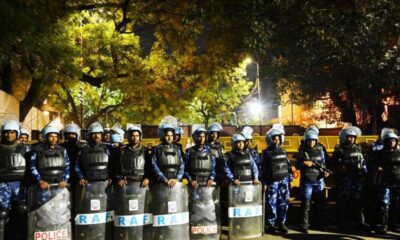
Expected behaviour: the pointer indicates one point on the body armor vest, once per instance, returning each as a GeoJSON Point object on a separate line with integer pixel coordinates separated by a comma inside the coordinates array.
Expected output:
{"type": "Point", "coordinates": [276, 164]}
{"type": "Point", "coordinates": [200, 164]}
{"type": "Point", "coordinates": [168, 160]}
{"type": "Point", "coordinates": [12, 162]}
{"type": "Point", "coordinates": [312, 174]}
{"type": "Point", "coordinates": [216, 150]}
{"type": "Point", "coordinates": [241, 166]}
{"type": "Point", "coordinates": [94, 161]}
{"type": "Point", "coordinates": [132, 163]}
{"type": "Point", "coordinates": [391, 166]}
{"type": "Point", "coordinates": [51, 165]}
{"type": "Point", "coordinates": [351, 160]}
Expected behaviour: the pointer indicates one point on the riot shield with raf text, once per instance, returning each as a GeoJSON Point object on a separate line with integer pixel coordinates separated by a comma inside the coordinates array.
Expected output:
{"type": "Point", "coordinates": [170, 212]}
{"type": "Point", "coordinates": [132, 219]}
{"type": "Point", "coordinates": [204, 212]}
{"type": "Point", "coordinates": [49, 213]}
{"type": "Point", "coordinates": [245, 211]}
{"type": "Point", "coordinates": [94, 218]}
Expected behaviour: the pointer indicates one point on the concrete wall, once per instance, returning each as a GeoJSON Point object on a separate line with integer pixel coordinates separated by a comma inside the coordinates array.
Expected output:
{"type": "Point", "coordinates": [36, 119]}
{"type": "Point", "coordinates": [9, 106]}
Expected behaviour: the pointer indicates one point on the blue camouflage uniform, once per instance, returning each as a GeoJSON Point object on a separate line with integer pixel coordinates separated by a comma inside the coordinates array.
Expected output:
{"type": "Point", "coordinates": [189, 157]}
{"type": "Point", "coordinates": [311, 183]}
{"type": "Point", "coordinates": [231, 173]}
{"type": "Point", "coordinates": [308, 186]}
{"type": "Point", "coordinates": [256, 156]}
{"type": "Point", "coordinates": [111, 167]}
{"type": "Point", "coordinates": [159, 174]}
{"type": "Point", "coordinates": [276, 175]}
{"type": "Point", "coordinates": [35, 158]}
{"type": "Point", "coordinates": [350, 171]}
{"type": "Point", "coordinates": [13, 191]}
{"type": "Point", "coordinates": [388, 163]}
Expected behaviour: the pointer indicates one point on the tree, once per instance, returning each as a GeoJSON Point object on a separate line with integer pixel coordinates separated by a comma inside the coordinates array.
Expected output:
{"type": "Point", "coordinates": [344, 50]}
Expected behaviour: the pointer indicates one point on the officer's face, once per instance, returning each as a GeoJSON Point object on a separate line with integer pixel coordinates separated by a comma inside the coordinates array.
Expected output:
{"type": "Point", "coordinates": [52, 138]}
{"type": "Point", "coordinates": [135, 137]}
{"type": "Point", "coordinates": [10, 136]}
{"type": "Point", "coordinates": [23, 138]}
{"type": "Point", "coordinates": [40, 137]}
{"type": "Point", "coordinates": [276, 140]}
{"type": "Point", "coordinates": [311, 143]}
{"type": "Point", "coordinates": [247, 143]}
{"type": "Point", "coordinates": [239, 145]}
{"type": "Point", "coordinates": [392, 143]}
{"type": "Point", "coordinates": [95, 137]}
{"type": "Point", "coordinates": [169, 137]}
{"type": "Point", "coordinates": [71, 136]}
{"type": "Point", "coordinates": [177, 138]}
{"type": "Point", "coordinates": [201, 139]}
{"type": "Point", "coordinates": [107, 137]}
{"type": "Point", "coordinates": [214, 136]}
{"type": "Point", "coordinates": [350, 139]}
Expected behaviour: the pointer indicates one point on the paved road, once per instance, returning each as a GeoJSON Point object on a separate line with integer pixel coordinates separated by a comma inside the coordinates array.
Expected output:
{"type": "Point", "coordinates": [317, 235]}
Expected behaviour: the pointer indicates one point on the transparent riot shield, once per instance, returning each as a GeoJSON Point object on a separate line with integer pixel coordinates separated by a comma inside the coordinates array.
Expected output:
{"type": "Point", "coordinates": [245, 211]}
{"type": "Point", "coordinates": [49, 213]}
{"type": "Point", "coordinates": [205, 212]}
{"type": "Point", "coordinates": [170, 212]}
{"type": "Point", "coordinates": [132, 217]}
{"type": "Point", "coordinates": [94, 218]}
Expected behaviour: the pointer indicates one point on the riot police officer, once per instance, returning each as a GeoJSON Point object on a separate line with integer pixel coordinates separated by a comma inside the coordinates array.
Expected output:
{"type": "Point", "coordinates": [95, 170]}
{"type": "Point", "coordinates": [131, 200]}
{"type": "Point", "coordinates": [50, 162]}
{"type": "Point", "coordinates": [276, 176]}
{"type": "Point", "coordinates": [71, 143]}
{"type": "Point", "coordinates": [93, 161]}
{"type": "Point", "coordinates": [24, 136]}
{"type": "Point", "coordinates": [246, 191]}
{"type": "Point", "coordinates": [106, 136]}
{"type": "Point", "coordinates": [117, 137]}
{"type": "Point", "coordinates": [204, 197]}
{"type": "Point", "coordinates": [51, 171]}
{"type": "Point", "coordinates": [373, 182]}
{"type": "Point", "coordinates": [310, 159]}
{"type": "Point", "coordinates": [217, 149]}
{"type": "Point", "coordinates": [170, 196]}
{"type": "Point", "coordinates": [177, 138]}
{"type": "Point", "coordinates": [134, 163]}
{"type": "Point", "coordinates": [248, 133]}
{"type": "Point", "coordinates": [240, 162]}
{"type": "Point", "coordinates": [13, 167]}
{"type": "Point", "coordinates": [350, 169]}
{"type": "Point", "coordinates": [168, 172]}
{"type": "Point", "coordinates": [200, 162]}
{"type": "Point", "coordinates": [388, 163]}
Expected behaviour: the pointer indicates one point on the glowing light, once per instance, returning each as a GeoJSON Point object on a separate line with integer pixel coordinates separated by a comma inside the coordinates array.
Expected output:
{"type": "Point", "coordinates": [255, 107]}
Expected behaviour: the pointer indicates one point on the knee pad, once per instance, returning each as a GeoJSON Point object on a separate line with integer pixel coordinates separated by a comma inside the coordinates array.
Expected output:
{"type": "Point", "coordinates": [4, 213]}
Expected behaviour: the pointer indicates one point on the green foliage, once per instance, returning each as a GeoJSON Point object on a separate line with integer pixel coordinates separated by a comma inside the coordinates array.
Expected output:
{"type": "Point", "coordinates": [347, 50]}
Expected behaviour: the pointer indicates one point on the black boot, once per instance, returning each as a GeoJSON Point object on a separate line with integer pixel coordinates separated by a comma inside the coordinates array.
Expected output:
{"type": "Point", "coordinates": [381, 228]}
{"type": "Point", "coordinates": [270, 229]}
{"type": "Point", "coordinates": [282, 228]}
{"type": "Point", "coordinates": [363, 224]}
{"type": "Point", "coordinates": [305, 211]}
{"type": "Point", "coordinates": [394, 215]}
{"type": "Point", "coordinates": [342, 220]}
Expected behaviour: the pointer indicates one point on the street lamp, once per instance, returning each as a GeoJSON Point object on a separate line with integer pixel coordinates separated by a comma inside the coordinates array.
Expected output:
{"type": "Point", "coordinates": [249, 60]}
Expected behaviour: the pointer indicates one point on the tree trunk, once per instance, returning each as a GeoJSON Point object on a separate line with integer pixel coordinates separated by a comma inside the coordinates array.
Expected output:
{"type": "Point", "coordinates": [5, 76]}
{"type": "Point", "coordinates": [347, 108]}
{"type": "Point", "coordinates": [34, 93]}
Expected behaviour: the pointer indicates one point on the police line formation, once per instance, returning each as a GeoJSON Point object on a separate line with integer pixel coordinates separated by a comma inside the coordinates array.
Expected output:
{"type": "Point", "coordinates": [130, 192]}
